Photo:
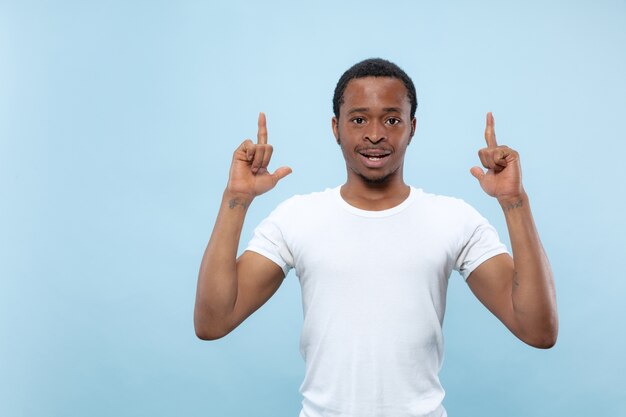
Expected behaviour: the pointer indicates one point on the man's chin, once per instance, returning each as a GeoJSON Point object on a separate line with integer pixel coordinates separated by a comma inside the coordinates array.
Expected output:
{"type": "Point", "coordinates": [375, 180]}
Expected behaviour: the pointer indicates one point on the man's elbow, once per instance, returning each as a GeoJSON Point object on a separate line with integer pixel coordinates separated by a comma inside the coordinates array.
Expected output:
{"type": "Point", "coordinates": [544, 339]}
{"type": "Point", "coordinates": [208, 334]}
{"type": "Point", "coordinates": [545, 342]}
{"type": "Point", "coordinates": [209, 329]}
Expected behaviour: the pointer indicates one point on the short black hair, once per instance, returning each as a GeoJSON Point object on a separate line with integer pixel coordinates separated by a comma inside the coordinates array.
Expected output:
{"type": "Point", "coordinates": [374, 67]}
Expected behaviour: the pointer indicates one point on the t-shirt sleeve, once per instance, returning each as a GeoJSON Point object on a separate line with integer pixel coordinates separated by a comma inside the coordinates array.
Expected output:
{"type": "Point", "coordinates": [480, 243]}
{"type": "Point", "coordinates": [268, 240]}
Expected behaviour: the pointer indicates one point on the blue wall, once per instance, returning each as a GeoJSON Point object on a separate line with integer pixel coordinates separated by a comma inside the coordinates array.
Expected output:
{"type": "Point", "coordinates": [117, 123]}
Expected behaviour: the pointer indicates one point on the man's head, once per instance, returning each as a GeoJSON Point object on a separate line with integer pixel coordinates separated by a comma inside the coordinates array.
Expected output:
{"type": "Point", "coordinates": [374, 67]}
{"type": "Point", "coordinates": [374, 123]}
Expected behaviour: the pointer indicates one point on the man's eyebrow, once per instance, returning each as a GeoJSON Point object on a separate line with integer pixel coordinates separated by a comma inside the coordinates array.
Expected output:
{"type": "Point", "coordinates": [366, 109]}
{"type": "Point", "coordinates": [358, 110]}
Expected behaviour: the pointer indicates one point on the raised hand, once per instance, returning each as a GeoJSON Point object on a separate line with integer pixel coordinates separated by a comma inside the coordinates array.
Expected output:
{"type": "Point", "coordinates": [503, 179]}
{"type": "Point", "coordinates": [249, 176]}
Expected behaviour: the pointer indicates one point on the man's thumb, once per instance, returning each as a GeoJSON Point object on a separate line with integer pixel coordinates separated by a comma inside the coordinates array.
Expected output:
{"type": "Point", "coordinates": [477, 172]}
{"type": "Point", "coordinates": [281, 173]}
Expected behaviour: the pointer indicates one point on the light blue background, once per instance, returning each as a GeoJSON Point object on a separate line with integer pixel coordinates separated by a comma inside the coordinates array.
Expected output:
{"type": "Point", "coordinates": [117, 124]}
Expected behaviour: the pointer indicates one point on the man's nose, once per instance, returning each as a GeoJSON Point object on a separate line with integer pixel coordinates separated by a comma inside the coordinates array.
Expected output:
{"type": "Point", "coordinates": [375, 133]}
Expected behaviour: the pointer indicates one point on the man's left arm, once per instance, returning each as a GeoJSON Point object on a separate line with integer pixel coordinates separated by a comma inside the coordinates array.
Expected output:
{"type": "Point", "coordinates": [519, 290]}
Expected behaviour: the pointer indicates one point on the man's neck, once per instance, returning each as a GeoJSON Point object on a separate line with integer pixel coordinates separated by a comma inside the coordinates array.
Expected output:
{"type": "Point", "coordinates": [374, 196]}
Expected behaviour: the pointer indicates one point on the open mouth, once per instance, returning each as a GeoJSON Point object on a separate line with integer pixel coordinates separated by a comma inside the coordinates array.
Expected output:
{"type": "Point", "coordinates": [374, 154]}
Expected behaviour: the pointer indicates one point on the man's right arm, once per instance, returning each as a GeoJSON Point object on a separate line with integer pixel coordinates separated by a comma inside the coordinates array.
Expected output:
{"type": "Point", "coordinates": [230, 289]}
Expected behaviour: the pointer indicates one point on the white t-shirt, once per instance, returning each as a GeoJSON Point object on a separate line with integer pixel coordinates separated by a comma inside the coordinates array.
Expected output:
{"type": "Point", "coordinates": [374, 293]}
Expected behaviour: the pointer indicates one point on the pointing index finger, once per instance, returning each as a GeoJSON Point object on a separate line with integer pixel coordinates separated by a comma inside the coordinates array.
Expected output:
{"type": "Point", "coordinates": [490, 132]}
{"type": "Point", "coordinates": [262, 132]}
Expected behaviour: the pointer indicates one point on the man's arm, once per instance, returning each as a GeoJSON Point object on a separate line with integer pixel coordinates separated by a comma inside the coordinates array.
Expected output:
{"type": "Point", "coordinates": [519, 290]}
{"type": "Point", "coordinates": [230, 289]}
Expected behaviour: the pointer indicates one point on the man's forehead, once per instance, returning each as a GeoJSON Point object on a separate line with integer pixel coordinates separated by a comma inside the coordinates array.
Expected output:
{"type": "Point", "coordinates": [376, 89]}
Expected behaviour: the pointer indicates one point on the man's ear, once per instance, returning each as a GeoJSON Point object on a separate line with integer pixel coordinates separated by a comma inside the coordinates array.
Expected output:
{"type": "Point", "coordinates": [413, 124]}
{"type": "Point", "coordinates": [336, 129]}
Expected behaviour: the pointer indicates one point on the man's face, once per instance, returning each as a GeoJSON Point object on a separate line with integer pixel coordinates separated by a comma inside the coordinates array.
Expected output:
{"type": "Point", "coordinates": [374, 128]}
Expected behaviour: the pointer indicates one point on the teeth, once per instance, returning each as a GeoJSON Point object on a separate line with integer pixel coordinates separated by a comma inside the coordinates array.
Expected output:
{"type": "Point", "coordinates": [374, 157]}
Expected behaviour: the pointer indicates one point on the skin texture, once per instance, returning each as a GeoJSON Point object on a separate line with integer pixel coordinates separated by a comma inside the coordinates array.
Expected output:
{"type": "Point", "coordinates": [373, 129]}
{"type": "Point", "coordinates": [374, 118]}
{"type": "Point", "coordinates": [520, 290]}
{"type": "Point", "coordinates": [230, 288]}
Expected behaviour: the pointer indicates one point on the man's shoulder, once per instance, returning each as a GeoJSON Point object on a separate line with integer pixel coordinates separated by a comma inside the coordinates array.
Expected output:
{"type": "Point", "coordinates": [438, 199]}
{"type": "Point", "coordinates": [300, 204]}
{"type": "Point", "coordinates": [315, 197]}
{"type": "Point", "coordinates": [443, 204]}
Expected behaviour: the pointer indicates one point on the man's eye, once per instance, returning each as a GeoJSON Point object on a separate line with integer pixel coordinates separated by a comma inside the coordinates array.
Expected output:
{"type": "Point", "coordinates": [393, 121]}
{"type": "Point", "coordinates": [358, 120]}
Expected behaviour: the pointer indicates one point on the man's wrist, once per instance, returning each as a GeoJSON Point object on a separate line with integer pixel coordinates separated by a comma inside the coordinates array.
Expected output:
{"type": "Point", "coordinates": [237, 200]}
{"type": "Point", "coordinates": [510, 203]}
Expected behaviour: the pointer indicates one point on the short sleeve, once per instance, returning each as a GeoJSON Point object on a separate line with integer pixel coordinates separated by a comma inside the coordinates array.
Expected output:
{"type": "Point", "coordinates": [268, 241]}
{"type": "Point", "coordinates": [480, 243]}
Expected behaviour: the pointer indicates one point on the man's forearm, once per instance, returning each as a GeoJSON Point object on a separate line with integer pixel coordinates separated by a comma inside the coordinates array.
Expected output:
{"type": "Point", "coordinates": [533, 293]}
{"type": "Point", "coordinates": [217, 280]}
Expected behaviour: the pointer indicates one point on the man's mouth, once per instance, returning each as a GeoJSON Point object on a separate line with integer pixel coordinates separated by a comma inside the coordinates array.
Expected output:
{"type": "Point", "coordinates": [374, 154]}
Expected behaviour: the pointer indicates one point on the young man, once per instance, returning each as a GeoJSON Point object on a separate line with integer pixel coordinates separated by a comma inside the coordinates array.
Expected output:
{"type": "Point", "coordinates": [374, 256]}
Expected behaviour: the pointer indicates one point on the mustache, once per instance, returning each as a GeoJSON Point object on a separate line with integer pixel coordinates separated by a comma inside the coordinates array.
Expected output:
{"type": "Point", "coordinates": [374, 148]}
{"type": "Point", "coordinates": [364, 148]}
